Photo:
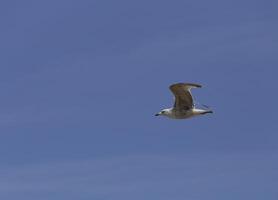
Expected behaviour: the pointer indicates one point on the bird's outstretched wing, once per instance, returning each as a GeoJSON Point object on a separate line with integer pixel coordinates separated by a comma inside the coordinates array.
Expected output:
{"type": "Point", "coordinates": [183, 97]}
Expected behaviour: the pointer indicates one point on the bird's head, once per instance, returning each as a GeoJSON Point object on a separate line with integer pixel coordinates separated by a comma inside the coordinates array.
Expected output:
{"type": "Point", "coordinates": [164, 112]}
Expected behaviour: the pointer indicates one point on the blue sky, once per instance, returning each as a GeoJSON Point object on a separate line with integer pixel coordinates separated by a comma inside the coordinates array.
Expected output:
{"type": "Point", "coordinates": [81, 81]}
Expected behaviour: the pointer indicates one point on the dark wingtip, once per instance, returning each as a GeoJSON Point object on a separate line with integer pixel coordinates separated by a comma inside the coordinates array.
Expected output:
{"type": "Point", "coordinates": [188, 84]}
{"type": "Point", "coordinates": [194, 84]}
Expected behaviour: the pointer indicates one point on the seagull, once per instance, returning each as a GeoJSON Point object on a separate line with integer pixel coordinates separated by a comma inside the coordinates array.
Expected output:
{"type": "Point", "coordinates": [184, 106]}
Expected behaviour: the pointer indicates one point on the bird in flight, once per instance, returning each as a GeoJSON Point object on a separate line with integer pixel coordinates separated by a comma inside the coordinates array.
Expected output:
{"type": "Point", "coordinates": [184, 106]}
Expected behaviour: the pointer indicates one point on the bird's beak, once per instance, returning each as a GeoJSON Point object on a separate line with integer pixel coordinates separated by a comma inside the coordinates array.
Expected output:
{"type": "Point", "coordinates": [157, 114]}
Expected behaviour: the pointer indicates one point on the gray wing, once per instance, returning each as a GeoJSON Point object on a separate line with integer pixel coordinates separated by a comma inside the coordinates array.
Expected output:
{"type": "Point", "coordinates": [183, 97]}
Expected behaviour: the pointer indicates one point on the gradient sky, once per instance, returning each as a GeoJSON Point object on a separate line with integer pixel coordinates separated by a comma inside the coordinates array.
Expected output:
{"type": "Point", "coordinates": [81, 81]}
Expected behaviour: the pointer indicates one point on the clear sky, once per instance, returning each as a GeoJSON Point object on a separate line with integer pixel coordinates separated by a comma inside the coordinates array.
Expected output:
{"type": "Point", "coordinates": [81, 81]}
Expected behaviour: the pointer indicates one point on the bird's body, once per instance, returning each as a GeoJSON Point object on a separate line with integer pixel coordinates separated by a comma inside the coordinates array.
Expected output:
{"type": "Point", "coordinates": [184, 114]}
{"type": "Point", "coordinates": [184, 106]}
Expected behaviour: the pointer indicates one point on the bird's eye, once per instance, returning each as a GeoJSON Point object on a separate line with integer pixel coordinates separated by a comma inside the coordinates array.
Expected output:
{"type": "Point", "coordinates": [163, 112]}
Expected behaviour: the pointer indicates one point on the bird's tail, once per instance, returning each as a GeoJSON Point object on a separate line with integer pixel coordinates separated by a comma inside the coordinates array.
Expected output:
{"type": "Point", "coordinates": [206, 112]}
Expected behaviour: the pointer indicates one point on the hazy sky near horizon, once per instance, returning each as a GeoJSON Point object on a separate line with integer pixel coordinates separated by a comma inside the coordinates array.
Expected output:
{"type": "Point", "coordinates": [81, 81]}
